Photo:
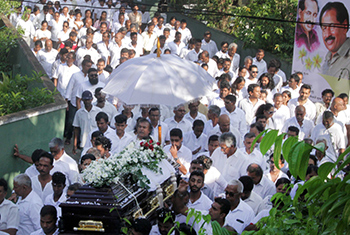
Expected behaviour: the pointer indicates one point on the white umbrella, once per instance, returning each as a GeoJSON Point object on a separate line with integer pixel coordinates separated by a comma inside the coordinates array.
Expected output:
{"type": "Point", "coordinates": [167, 80]}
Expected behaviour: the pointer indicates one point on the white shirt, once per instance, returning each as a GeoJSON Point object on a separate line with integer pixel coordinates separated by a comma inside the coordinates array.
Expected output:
{"type": "Point", "coordinates": [294, 93]}
{"type": "Point", "coordinates": [262, 66]}
{"type": "Point", "coordinates": [9, 215]}
{"type": "Point", "coordinates": [280, 116]}
{"type": "Point", "coordinates": [203, 203]}
{"type": "Point", "coordinates": [309, 107]}
{"type": "Point", "coordinates": [212, 67]}
{"type": "Point", "coordinates": [184, 155]}
{"type": "Point", "coordinates": [193, 143]}
{"type": "Point", "coordinates": [247, 106]}
{"type": "Point", "coordinates": [49, 201]}
{"type": "Point", "coordinates": [88, 86]}
{"type": "Point", "coordinates": [83, 51]}
{"type": "Point", "coordinates": [235, 62]}
{"type": "Point", "coordinates": [240, 217]}
{"type": "Point", "coordinates": [118, 144]}
{"type": "Point", "coordinates": [148, 41]}
{"type": "Point", "coordinates": [114, 50]}
{"type": "Point", "coordinates": [56, 27]}
{"type": "Point", "coordinates": [193, 55]}
{"type": "Point", "coordinates": [175, 48]}
{"type": "Point", "coordinates": [42, 34]}
{"type": "Point", "coordinates": [305, 129]}
{"type": "Point", "coordinates": [237, 119]}
{"type": "Point", "coordinates": [209, 47]}
{"type": "Point", "coordinates": [214, 179]}
{"type": "Point", "coordinates": [29, 213]}
{"type": "Point", "coordinates": [216, 131]}
{"type": "Point", "coordinates": [46, 59]}
{"type": "Point", "coordinates": [255, 157]}
{"type": "Point", "coordinates": [232, 167]}
{"type": "Point", "coordinates": [86, 121]}
{"type": "Point", "coordinates": [186, 35]}
{"type": "Point", "coordinates": [184, 124]}
{"type": "Point", "coordinates": [248, 81]}
{"type": "Point", "coordinates": [200, 116]}
{"type": "Point", "coordinates": [37, 188]}
{"type": "Point", "coordinates": [110, 110]}
{"type": "Point", "coordinates": [265, 187]}
{"type": "Point", "coordinates": [222, 55]}
{"type": "Point", "coordinates": [41, 232]}
{"type": "Point", "coordinates": [103, 49]}
{"type": "Point", "coordinates": [254, 201]}
{"type": "Point", "coordinates": [208, 127]}
{"type": "Point", "coordinates": [64, 73]}
{"type": "Point", "coordinates": [63, 36]}
{"type": "Point", "coordinates": [73, 84]}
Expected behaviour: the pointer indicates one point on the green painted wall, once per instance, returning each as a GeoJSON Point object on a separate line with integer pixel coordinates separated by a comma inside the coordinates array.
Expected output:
{"type": "Point", "coordinates": [198, 28]}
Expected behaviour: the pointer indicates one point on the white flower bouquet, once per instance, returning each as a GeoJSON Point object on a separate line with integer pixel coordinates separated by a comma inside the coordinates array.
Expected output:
{"type": "Point", "coordinates": [132, 159]}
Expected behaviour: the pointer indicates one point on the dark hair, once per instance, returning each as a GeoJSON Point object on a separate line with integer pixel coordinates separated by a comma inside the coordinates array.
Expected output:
{"type": "Point", "coordinates": [311, 168]}
{"type": "Point", "coordinates": [185, 229]}
{"type": "Point", "coordinates": [225, 205]}
{"type": "Point", "coordinates": [121, 118]}
{"type": "Point", "coordinates": [36, 155]}
{"type": "Point", "coordinates": [342, 12]}
{"type": "Point", "coordinates": [4, 184]}
{"type": "Point", "coordinates": [288, 93]}
{"type": "Point", "coordinates": [251, 87]}
{"type": "Point", "coordinates": [255, 168]}
{"type": "Point", "coordinates": [197, 161]}
{"type": "Point", "coordinates": [282, 180]}
{"type": "Point", "coordinates": [63, 51]}
{"type": "Point", "coordinates": [142, 226]}
{"type": "Point", "coordinates": [163, 213]}
{"type": "Point", "coordinates": [176, 132]}
{"type": "Point", "coordinates": [152, 110]}
{"type": "Point", "coordinates": [47, 155]}
{"type": "Point", "coordinates": [58, 178]}
{"type": "Point", "coordinates": [343, 95]}
{"type": "Point", "coordinates": [262, 108]}
{"type": "Point", "coordinates": [74, 187]}
{"type": "Point", "coordinates": [231, 98]}
{"type": "Point", "coordinates": [281, 158]}
{"type": "Point", "coordinates": [225, 84]}
{"type": "Point", "coordinates": [313, 157]}
{"type": "Point", "coordinates": [197, 173]}
{"type": "Point", "coordinates": [207, 161]}
{"type": "Point", "coordinates": [213, 138]}
{"type": "Point", "coordinates": [294, 129]}
{"type": "Point", "coordinates": [96, 134]}
{"type": "Point", "coordinates": [271, 83]}
{"type": "Point", "coordinates": [104, 141]}
{"type": "Point", "coordinates": [140, 120]}
{"type": "Point", "coordinates": [295, 77]}
{"type": "Point", "coordinates": [302, 5]}
{"type": "Point", "coordinates": [38, 42]}
{"type": "Point", "coordinates": [328, 91]}
{"type": "Point", "coordinates": [198, 123]}
{"type": "Point", "coordinates": [48, 210]}
{"type": "Point", "coordinates": [87, 156]}
{"type": "Point", "coordinates": [247, 182]}
{"type": "Point", "coordinates": [305, 86]}
{"type": "Point", "coordinates": [258, 126]}
{"type": "Point", "coordinates": [101, 115]}
{"type": "Point", "coordinates": [249, 135]}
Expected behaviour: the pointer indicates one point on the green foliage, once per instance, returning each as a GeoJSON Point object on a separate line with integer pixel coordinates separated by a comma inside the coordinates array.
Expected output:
{"type": "Point", "coordinates": [16, 94]}
{"type": "Point", "coordinates": [246, 22]}
{"type": "Point", "coordinates": [7, 6]}
{"type": "Point", "coordinates": [8, 41]}
{"type": "Point", "coordinates": [320, 206]}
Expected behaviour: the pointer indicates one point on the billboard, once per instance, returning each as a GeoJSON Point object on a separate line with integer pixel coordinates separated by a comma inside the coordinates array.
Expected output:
{"type": "Point", "coordinates": [322, 47]}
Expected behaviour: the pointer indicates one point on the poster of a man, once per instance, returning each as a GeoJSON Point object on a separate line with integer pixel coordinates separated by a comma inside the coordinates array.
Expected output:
{"type": "Point", "coordinates": [322, 46]}
{"type": "Point", "coordinates": [305, 32]}
{"type": "Point", "coordinates": [334, 20]}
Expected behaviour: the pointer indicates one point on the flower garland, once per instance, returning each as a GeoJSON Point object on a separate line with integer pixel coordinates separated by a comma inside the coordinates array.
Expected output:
{"type": "Point", "coordinates": [131, 160]}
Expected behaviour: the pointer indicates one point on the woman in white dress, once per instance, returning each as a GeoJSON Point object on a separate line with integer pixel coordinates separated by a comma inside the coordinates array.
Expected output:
{"type": "Point", "coordinates": [43, 33]}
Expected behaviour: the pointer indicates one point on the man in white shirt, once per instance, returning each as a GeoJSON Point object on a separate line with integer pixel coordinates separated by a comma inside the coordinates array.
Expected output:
{"type": "Point", "coordinates": [236, 115]}
{"type": "Point", "coordinates": [84, 120]}
{"type": "Point", "coordinates": [262, 185]}
{"type": "Point", "coordinates": [228, 159]}
{"type": "Point", "coordinates": [48, 220]}
{"type": "Point", "coordinates": [87, 50]}
{"type": "Point", "coordinates": [254, 156]}
{"type": "Point", "coordinates": [196, 140]}
{"type": "Point", "coordinates": [47, 57]}
{"type": "Point", "coordinates": [194, 53]}
{"type": "Point", "coordinates": [327, 96]}
{"type": "Point", "coordinates": [27, 26]}
{"type": "Point", "coordinates": [29, 205]}
{"type": "Point", "coordinates": [252, 103]}
{"type": "Point", "coordinates": [67, 164]}
{"type": "Point", "coordinates": [303, 100]}
{"type": "Point", "coordinates": [41, 184]}
{"type": "Point", "coordinates": [176, 45]}
{"type": "Point", "coordinates": [248, 196]}
{"type": "Point", "coordinates": [234, 57]}
{"type": "Point", "coordinates": [212, 66]}
{"type": "Point", "coordinates": [149, 38]}
{"type": "Point", "coordinates": [193, 114]}
{"type": "Point", "coordinates": [332, 132]}
{"type": "Point", "coordinates": [164, 223]}
{"type": "Point", "coordinates": [241, 214]}
{"type": "Point", "coordinates": [160, 129]}
{"type": "Point", "coordinates": [55, 26]}
{"type": "Point", "coordinates": [9, 212]}
{"type": "Point", "coordinates": [223, 52]}
{"type": "Point", "coordinates": [122, 138]}
{"type": "Point", "coordinates": [259, 61]}
{"type": "Point", "coordinates": [299, 120]}
{"type": "Point", "coordinates": [281, 111]}
{"type": "Point", "coordinates": [198, 200]}
{"type": "Point", "coordinates": [186, 33]}
{"type": "Point", "coordinates": [213, 115]}
{"type": "Point", "coordinates": [208, 44]}
{"type": "Point", "coordinates": [59, 195]}
{"type": "Point", "coordinates": [178, 121]}
{"type": "Point", "coordinates": [292, 87]}
{"type": "Point", "coordinates": [253, 73]}
{"type": "Point", "coordinates": [177, 152]}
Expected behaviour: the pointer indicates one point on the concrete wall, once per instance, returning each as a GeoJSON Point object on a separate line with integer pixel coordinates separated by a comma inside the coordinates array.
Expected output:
{"type": "Point", "coordinates": [33, 128]}
{"type": "Point", "coordinates": [198, 28]}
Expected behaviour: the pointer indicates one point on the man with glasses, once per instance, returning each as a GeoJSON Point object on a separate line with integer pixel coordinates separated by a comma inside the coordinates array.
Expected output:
{"type": "Point", "coordinates": [228, 159]}
{"type": "Point", "coordinates": [253, 74]}
{"type": "Point", "coordinates": [178, 121]}
{"type": "Point", "coordinates": [241, 214]}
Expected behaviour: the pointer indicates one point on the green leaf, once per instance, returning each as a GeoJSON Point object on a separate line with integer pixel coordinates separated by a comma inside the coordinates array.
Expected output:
{"type": "Point", "coordinates": [325, 169]}
{"type": "Point", "coordinates": [303, 160]}
{"type": "Point", "coordinates": [340, 158]}
{"type": "Point", "coordinates": [268, 140]}
{"type": "Point", "coordinates": [346, 212]}
{"type": "Point", "coordinates": [278, 150]}
{"type": "Point", "coordinates": [293, 158]}
{"type": "Point", "coordinates": [256, 139]}
{"type": "Point", "coordinates": [287, 145]}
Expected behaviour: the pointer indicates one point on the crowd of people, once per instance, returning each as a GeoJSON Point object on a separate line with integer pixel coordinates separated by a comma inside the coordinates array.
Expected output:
{"type": "Point", "coordinates": [79, 44]}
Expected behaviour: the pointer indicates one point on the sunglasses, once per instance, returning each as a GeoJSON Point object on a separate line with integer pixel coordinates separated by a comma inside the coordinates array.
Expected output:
{"type": "Point", "coordinates": [230, 194]}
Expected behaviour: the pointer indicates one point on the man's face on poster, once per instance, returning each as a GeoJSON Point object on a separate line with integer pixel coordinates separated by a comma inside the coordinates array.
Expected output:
{"type": "Point", "coordinates": [333, 37]}
{"type": "Point", "coordinates": [308, 15]}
